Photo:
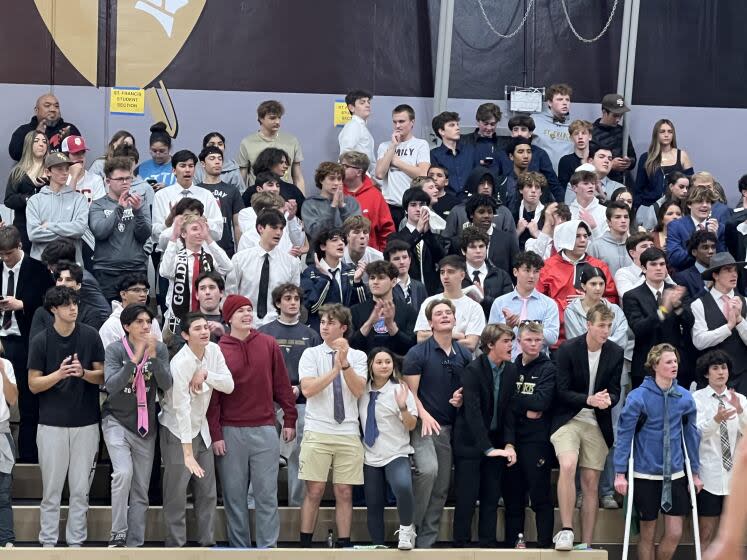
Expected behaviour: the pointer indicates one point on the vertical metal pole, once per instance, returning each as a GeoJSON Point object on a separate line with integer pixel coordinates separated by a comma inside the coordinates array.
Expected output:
{"type": "Point", "coordinates": [443, 57]}
{"type": "Point", "coordinates": [623, 62]}
{"type": "Point", "coordinates": [630, 72]}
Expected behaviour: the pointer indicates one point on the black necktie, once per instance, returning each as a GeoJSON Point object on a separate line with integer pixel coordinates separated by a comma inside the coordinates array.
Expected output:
{"type": "Point", "coordinates": [476, 278]}
{"type": "Point", "coordinates": [408, 295]}
{"type": "Point", "coordinates": [10, 291]}
{"type": "Point", "coordinates": [658, 298]}
{"type": "Point", "coordinates": [264, 284]}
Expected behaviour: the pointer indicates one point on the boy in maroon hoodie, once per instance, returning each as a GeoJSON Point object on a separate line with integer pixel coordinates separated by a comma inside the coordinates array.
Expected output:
{"type": "Point", "coordinates": [242, 425]}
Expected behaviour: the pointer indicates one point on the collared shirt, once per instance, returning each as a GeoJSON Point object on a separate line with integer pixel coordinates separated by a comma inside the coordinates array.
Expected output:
{"type": "Point", "coordinates": [459, 162]}
{"type": "Point", "coordinates": [703, 337]}
{"type": "Point", "coordinates": [334, 274]}
{"type": "Point", "coordinates": [482, 273]}
{"type": "Point", "coordinates": [245, 274]}
{"type": "Point", "coordinates": [112, 329]}
{"type": "Point", "coordinates": [13, 330]}
{"type": "Point", "coordinates": [539, 308]}
{"type": "Point", "coordinates": [715, 478]}
{"type": "Point", "coordinates": [168, 196]}
{"type": "Point", "coordinates": [355, 136]}
{"type": "Point", "coordinates": [293, 232]}
{"type": "Point", "coordinates": [627, 278]}
{"type": "Point", "coordinates": [183, 412]}
{"type": "Point", "coordinates": [316, 362]}
{"type": "Point", "coordinates": [167, 269]}
{"type": "Point", "coordinates": [394, 438]}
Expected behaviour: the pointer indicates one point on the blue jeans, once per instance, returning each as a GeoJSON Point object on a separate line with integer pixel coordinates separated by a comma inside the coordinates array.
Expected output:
{"type": "Point", "coordinates": [397, 473]}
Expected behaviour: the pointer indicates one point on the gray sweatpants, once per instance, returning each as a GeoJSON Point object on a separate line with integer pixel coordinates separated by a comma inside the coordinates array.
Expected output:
{"type": "Point", "coordinates": [430, 482]}
{"type": "Point", "coordinates": [291, 450]}
{"type": "Point", "coordinates": [251, 454]}
{"type": "Point", "coordinates": [66, 453]}
{"type": "Point", "coordinates": [176, 478]}
{"type": "Point", "coordinates": [132, 463]}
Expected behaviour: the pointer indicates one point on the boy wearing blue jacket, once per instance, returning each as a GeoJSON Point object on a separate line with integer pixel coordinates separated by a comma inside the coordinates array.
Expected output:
{"type": "Point", "coordinates": [657, 414]}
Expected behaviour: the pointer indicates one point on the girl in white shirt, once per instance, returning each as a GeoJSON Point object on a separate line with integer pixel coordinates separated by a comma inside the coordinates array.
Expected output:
{"type": "Point", "coordinates": [387, 412]}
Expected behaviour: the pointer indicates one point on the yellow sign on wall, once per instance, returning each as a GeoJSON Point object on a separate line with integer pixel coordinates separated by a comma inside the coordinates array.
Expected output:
{"type": "Point", "coordinates": [127, 101]}
{"type": "Point", "coordinates": [342, 115]}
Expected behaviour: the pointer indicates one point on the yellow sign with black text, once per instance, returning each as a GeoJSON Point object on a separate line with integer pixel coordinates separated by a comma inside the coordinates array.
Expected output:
{"type": "Point", "coordinates": [127, 101]}
{"type": "Point", "coordinates": [342, 115]}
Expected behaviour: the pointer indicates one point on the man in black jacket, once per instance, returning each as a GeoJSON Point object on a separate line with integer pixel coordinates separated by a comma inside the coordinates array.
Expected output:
{"type": "Point", "coordinates": [24, 282]}
{"type": "Point", "coordinates": [588, 386]}
{"type": "Point", "coordinates": [491, 281]}
{"type": "Point", "coordinates": [426, 247]}
{"type": "Point", "coordinates": [535, 389]}
{"type": "Point", "coordinates": [656, 314]}
{"type": "Point", "coordinates": [379, 321]}
{"type": "Point", "coordinates": [47, 119]}
{"type": "Point", "coordinates": [484, 436]}
{"type": "Point", "coordinates": [607, 132]}
{"type": "Point", "coordinates": [407, 290]}
{"type": "Point", "coordinates": [502, 245]}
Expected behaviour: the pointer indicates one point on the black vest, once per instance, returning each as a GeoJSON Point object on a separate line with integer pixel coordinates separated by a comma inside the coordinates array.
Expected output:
{"type": "Point", "coordinates": [733, 345]}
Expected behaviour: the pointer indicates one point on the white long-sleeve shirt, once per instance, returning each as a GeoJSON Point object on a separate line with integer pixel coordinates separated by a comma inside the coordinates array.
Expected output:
{"type": "Point", "coordinates": [293, 233]}
{"type": "Point", "coordinates": [715, 478]}
{"type": "Point", "coordinates": [703, 337]}
{"type": "Point", "coordinates": [112, 329]}
{"type": "Point", "coordinates": [246, 269]}
{"type": "Point", "coordinates": [184, 413]}
{"type": "Point", "coordinates": [168, 196]}
{"type": "Point", "coordinates": [355, 136]}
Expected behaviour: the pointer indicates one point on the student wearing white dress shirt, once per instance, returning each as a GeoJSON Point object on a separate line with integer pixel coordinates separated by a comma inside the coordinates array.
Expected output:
{"type": "Point", "coordinates": [255, 272]}
{"type": "Point", "coordinates": [184, 163]}
{"type": "Point", "coordinates": [355, 135]}
{"type": "Point", "coordinates": [388, 414]}
{"type": "Point", "coordinates": [197, 369]}
{"type": "Point", "coordinates": [632, 276]}
{"type": "Point", "coordinates": [469, 315]}
{"type": "Point", "coordinates": [332, 378]}
{"type": "Point", "coordinates": [186, 256]}
{"type": "Point", "coordinates": [722, 418]}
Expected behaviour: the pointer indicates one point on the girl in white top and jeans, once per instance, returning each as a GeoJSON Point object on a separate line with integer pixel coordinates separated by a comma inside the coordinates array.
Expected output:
{"type": "Point", "coordinates": [387, 413]}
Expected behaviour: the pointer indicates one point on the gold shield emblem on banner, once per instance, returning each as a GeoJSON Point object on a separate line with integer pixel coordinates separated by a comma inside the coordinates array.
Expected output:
{"type": "Point", "coordinates": [149, 34]}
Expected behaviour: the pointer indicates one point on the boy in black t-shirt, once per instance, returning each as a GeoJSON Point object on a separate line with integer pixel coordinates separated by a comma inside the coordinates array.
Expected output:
{"type": "Point", "coordinates": [66, 366]}
{"type": "Point", "coordinates": [293, 337]}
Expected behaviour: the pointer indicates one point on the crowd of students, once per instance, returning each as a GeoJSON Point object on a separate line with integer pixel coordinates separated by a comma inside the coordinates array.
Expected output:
{"type": "Point", "coordinates": [496, 306]}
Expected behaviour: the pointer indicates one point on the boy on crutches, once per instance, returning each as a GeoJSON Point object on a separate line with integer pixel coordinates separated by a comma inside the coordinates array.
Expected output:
{"type": "Point", "coordinates": [659, 415]}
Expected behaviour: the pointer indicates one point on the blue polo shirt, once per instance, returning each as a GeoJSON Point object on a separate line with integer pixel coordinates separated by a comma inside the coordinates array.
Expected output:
{"type": "Point", "coordinates": [458, 163]}
{"type": "Point", "coordinates": [440, 375]}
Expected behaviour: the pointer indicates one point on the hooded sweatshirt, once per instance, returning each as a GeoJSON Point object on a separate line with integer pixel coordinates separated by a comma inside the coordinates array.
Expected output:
{"type": "Point", "coordinates": [611, 251]}
{"type": "Point", "coordinates": [260, 379]}
{"type": "Point", "coordinates": [552, 136]}
{"type": "Point", "coordinates": [63, 213]}
{"type": "Point", "coordinates": [15, 148]}
{"type": "Point", "coordinates": [610, 137]}
{"type": "Point", "coordinates": [535, 391]}
{"type": "Point", "coordinates": [643, 419]}
{"type": "Point", "coordinates": [374, 207]}
{"type": "Point", "coordinates": [317, 213]}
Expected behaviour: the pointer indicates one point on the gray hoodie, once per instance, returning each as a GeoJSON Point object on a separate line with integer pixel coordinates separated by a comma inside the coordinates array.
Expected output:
{"type": "Point", "coordinates": [53, 215]}
{"type": "Point", "coordinates": [611, 251]}
{"type": "Point", "coordinates": [575, 322]}
{"type": "Point", "coordinates": [317, 213]}
{"type": "Point", "coordinates": [120, 235]}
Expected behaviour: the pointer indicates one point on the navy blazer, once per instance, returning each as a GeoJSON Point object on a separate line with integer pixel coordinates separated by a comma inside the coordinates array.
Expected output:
{"type": "Point", "coordinates": [418, 294]}
{"type": "Point", "coordinates": [691, 279]}
{"type": "Point", "coordinates": [678, 234]}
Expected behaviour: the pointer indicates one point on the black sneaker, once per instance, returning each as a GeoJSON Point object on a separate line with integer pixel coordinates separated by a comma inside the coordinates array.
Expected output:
{"type": "Point", "coordinates": [118, 540]}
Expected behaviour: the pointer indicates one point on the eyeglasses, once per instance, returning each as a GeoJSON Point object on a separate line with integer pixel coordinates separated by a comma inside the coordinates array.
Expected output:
{"type": "Point", "coordinates": [121, 179]}
{"type": "Point", "coordinates": [145, 291]}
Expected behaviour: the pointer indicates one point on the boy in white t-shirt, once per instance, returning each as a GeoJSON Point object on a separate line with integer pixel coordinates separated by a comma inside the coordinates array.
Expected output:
{"type": "Point", "coordinates": [7, 452]}
{"type": "Point", "coordinates": [470, 318]}
{"type": "Point", "coordinates": [401, 159]}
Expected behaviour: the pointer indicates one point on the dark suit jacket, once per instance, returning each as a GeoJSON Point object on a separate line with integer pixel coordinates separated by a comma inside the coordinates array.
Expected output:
{"type": "Point", "coordinates": [736, 244]}
{"type": "Point", "coordinates": [678, 234]}
{"type": "Point", "coordinates": [496, 283]}
{"type": "Point", "coordinates": [640, 308]}
{"type": "Point", "coordinates": [572, 382]}
{"type": "Point", "coordinates": [691, 279]}
{"type": "Point", "coordinates": [472, 433]}
{"type": "Point", "coordinates": [400, 343]}
{"type": "Point", "coordinates": [418, 294]}
{"type": "Point", "coordinates": [434, 249]}
{"type": "Point", "coordinates": [33, 282]}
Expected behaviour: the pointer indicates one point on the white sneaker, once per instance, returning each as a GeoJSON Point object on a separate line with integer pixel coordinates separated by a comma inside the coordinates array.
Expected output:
{"type": "Point", "coordinates": [406, 537]}
{"type": "Point", "coordinates": [563, 540]}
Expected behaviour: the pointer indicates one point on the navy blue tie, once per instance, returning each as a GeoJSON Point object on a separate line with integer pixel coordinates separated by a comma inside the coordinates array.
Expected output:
{"type": "Point", "coordinates": [372, 429]}
{"type": "Point", "coordinates": [338, 402]}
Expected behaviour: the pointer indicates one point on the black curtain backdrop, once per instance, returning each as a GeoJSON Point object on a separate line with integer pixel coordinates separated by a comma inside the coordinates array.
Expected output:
{"type": "Point", "coordinates": [690, 52]}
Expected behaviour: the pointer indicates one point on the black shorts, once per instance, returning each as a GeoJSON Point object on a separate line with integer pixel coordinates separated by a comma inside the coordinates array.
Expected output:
{"type": "Point", "coordinates": [709, 505]}
{"type": "Point", "coordinates": [647, 498]}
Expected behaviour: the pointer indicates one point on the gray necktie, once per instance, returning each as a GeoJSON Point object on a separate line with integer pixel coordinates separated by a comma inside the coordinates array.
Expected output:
{"type": "Point", "coordinates": [726, 459]}
{"type": "Point", "coordinates": [338, 405]}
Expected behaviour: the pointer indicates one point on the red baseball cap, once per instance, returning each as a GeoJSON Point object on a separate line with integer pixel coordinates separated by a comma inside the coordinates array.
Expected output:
{"type": "Point", "coordinates": [73, 145]}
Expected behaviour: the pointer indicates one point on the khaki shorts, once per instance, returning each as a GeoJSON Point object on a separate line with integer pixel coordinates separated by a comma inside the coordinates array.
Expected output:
{"type": "Point", "coordinates": [319, 452]}
{"type": "Point", "coordinates": [583, 439]}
